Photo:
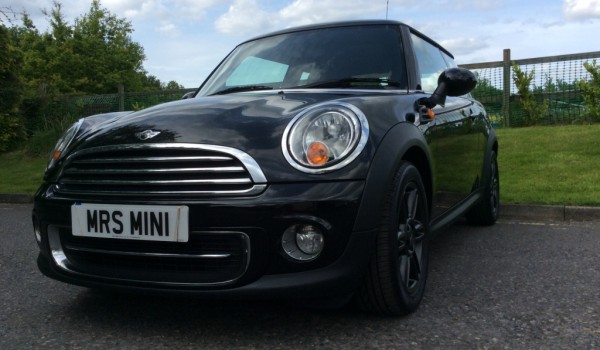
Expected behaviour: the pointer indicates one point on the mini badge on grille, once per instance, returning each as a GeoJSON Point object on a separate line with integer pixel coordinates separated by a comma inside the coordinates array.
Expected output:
{"type": "Point", "coordinates": [146, 134]}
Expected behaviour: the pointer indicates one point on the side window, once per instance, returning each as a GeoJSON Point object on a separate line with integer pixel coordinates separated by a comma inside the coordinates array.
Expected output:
{"type": "Point", "coordinates": [449, 60]}
{"type": "Point", "coordinates": [430, 61]}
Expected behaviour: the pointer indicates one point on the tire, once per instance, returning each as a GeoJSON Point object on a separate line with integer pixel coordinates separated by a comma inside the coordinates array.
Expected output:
{"type": "Point", "coordinates": [395, 281]}
{"type": "Point", "coordinates": [486, 211]}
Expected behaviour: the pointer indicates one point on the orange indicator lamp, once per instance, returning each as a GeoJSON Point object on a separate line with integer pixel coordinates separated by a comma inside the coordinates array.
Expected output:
{"type": "Point", "coordinates": [317, 153]}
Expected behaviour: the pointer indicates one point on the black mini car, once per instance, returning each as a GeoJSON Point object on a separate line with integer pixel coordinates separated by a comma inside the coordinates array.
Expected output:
{"type": "Point", "coordinates": [313, 163]}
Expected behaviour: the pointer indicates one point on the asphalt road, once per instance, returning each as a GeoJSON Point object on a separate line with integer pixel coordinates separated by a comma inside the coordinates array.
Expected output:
{"type": "Point", "coordinates": [511, 286]}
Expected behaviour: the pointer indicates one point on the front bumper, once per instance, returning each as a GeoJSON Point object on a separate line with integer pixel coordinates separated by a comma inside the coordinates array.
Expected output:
{"type": "Point", "coordinates": [262, 270]}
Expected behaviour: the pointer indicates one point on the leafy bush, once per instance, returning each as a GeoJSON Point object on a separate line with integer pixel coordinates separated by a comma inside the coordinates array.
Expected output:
{"type": "Point", "coordinates": [48, 132]}
{"type": "Point", "coordinates": [11, 131]}
{"type": "Point", "coordinates": [532, 110]}
{"type": "Point", "coordinates": [590, 90]}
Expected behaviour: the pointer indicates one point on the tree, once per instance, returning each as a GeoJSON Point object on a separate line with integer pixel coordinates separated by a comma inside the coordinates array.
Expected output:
{"type": "Point", "coordinates": [10, 84]}
{"type": "Point", "coordinates": [106, 53]}
{"type": "Point", "coordinates": [485, 88]}
{"type": "Point", "coordinates": [11, 126]}
{"type": "Point", "coordinates": [173, 85]}
{"type": "Point", "coordinates": [7, 15]}
{"type": "Point", "coordinates": [150, 82]}
{"type": "Point", "coordinates": [93, 56]}
{"type": "Point", "coordinates": [33, 48]}
{"type": "Point", "coordinates": [59, 48]}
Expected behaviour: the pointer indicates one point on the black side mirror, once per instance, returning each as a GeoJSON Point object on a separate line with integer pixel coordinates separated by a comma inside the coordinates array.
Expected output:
{"type": "Point", "coordinates": [452, 82]}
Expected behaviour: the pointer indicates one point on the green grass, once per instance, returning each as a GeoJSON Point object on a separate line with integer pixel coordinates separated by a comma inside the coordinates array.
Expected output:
{"type": "Point", "coordinates": [550, 165]}
{"type": "Point", "coordinates": [538, 165]}
{"type": "Point", "coordinates": [20, 173]}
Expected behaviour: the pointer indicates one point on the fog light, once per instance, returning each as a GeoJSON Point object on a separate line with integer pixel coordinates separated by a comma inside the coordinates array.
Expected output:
{"type": "Point", "coordinates": [303, 242]}
{"type": "Point", "coordinates": [309, 240]}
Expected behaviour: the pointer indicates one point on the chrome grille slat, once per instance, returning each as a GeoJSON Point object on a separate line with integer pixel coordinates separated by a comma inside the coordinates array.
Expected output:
{"type": "Point", "coordinates": [163, 171]}
{"type": "Point", "coordinates": [147, 254]}
{"type": "Point", "coordinates": [159, 169]}
{"type": "Point", "coordinates": [253, 191]}
{"type": "Point", "coordinates": [161, 182]}
{"type": "Point", "coordinates": [154, 159]}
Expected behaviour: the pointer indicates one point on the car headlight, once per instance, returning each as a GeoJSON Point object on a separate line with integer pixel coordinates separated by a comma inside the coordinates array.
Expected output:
{"type": "Point", "coordinates": [325, 137]}
{"type": "Point", "coordinates": [63, 142]}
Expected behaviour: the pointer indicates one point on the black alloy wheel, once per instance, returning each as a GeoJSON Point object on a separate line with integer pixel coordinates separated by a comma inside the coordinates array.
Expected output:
{"type": "Point", "coordinates": [395, 281]}
{"type": "Point", "coordinates": [411, 237]}
{"type": "Point", "coordinates": [486, 211]}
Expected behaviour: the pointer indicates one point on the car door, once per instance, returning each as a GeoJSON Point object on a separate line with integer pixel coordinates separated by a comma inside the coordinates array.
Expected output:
{"type": "Point", "coordinates": [455, 136]}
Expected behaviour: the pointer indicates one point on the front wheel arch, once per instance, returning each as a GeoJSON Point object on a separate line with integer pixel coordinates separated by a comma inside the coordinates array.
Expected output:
{"type": "Point", "coordinates": [404, 142]}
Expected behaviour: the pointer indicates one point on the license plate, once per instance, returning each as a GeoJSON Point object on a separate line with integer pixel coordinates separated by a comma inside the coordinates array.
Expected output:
{"type": "Point", "coordinates": [141, 222]}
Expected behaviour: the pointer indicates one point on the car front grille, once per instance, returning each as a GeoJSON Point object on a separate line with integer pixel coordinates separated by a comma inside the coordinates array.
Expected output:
{"type": "Point", "coordinates": [159, 170]}
{"type": "Point", "coordinates": [209, 258]}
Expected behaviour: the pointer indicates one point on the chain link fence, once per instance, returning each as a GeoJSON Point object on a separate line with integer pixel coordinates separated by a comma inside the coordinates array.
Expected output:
{"type": "Point", "coordinates": [83, 106]}
{"type": "Point", "coordinates": [554, 86]}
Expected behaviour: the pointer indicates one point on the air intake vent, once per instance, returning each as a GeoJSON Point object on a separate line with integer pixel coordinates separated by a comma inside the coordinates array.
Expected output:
{"type": "Point", "coordinates": [209, 258]}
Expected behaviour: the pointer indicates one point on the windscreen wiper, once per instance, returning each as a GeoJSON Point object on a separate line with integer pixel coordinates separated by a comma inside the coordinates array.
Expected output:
{"type": "Point", "coordinates": [242, 88]}
{"type": "Point", "coordinates": [356, 82]}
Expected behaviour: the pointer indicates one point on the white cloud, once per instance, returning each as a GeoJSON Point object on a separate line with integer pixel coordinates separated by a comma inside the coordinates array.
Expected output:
{"type": "Point", "coordinates": [248, 18]}
{"type": "Point", "coordinates": [70, 10]}
{"type": "Point", "coordinates": [244, 17]}
{"type": "Point", "coordinates": [463, 46]}
{"type": "Point", "coordinates": [130, 8]}
{"type": "Point", "coordinates": [581, 9]}
{"type": "Point", "coordinates": [185, 39]}
{"type": "Point", "coordinates": [167, 17]}
{"type": "Point", "coordinates": [484, 5]}
{"type": "Point", "coordinates": [162, 8]}
{"type": "Point", "coordinates": [169, 29]}
{"type": "Point", "coordinates": [195, 8]}
{"type": "Point", "coordinates": [314, 11]}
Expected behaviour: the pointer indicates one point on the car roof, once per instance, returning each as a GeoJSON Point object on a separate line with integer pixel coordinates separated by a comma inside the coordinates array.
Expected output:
{"type": "Point", "coordinates": [348, 24]}
{"type": "Point", "coordinates": [329, 25]}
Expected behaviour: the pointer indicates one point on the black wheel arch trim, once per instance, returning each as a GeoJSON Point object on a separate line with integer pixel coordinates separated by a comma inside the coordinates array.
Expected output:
{"type": "Point", "coordinates": [403, 142]}
{"type": "Point", "coordinates": [492, 145]}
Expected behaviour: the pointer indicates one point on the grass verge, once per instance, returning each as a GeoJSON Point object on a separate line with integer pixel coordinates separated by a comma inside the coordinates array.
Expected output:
{"type": "Point", "coordinates": [20, 173]}
{"type": "Point", "coordinates": [554, 165]}
{"type": "Point", "coordinates": [550, 165]}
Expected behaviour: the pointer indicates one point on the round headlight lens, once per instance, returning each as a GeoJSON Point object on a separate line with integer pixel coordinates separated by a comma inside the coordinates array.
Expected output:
{"type": "Point", "coordinates": [325, 137]}
{"type": "Point", "coordinates": [63, 143]}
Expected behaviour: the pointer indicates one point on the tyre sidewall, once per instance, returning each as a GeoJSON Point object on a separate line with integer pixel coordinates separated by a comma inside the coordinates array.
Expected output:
{"type": "Point", "coordinates": [407, 175]}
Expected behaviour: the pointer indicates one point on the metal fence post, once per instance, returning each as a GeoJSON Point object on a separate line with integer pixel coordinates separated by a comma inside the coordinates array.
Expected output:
{"type": "Point", "coordinates": [121, 98]}
{"type": "Point", "coordinates": [506, 88]}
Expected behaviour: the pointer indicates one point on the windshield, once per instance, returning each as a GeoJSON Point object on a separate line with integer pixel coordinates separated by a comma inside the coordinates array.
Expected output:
{"type": "Point", "coordinates": [354, 56]}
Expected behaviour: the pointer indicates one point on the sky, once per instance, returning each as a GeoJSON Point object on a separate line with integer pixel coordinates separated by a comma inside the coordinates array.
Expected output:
{"type": "Point", "coordinates": [185, 39]}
